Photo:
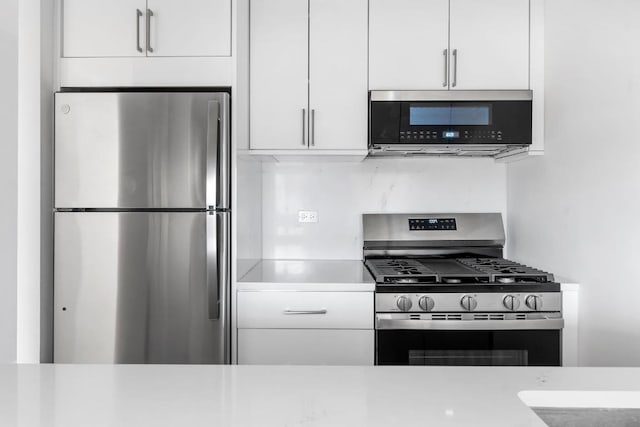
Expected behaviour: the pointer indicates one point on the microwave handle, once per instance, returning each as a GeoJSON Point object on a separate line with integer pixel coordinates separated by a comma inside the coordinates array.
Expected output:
{"type": "Point", "coordinates": [446, 68]}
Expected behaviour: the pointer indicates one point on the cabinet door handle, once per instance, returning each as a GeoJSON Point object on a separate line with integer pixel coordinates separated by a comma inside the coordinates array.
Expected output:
{"type": "Point", "coordinates": [138, 16]}
{"type": "Point", "coordinates": [455, 68]}
{"type": "Point", "coordinates": [446, 68]}
{"type": "Point", "coordinates": [149, 15]}
{"type": "Point", "coordinates": [304, 126]}
{"type": "Point", "coordinates": [313, 127]}
{"type": "Point", "coordinates": [321, 311]}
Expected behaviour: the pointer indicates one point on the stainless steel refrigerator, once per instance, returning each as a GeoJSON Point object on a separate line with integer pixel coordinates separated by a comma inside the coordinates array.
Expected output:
{"type": "Point", "coordinates": [142, 226]}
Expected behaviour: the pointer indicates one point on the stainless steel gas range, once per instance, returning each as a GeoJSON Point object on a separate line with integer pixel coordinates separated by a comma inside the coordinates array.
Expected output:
{"type": "Point", "coordinates": [446, 296]}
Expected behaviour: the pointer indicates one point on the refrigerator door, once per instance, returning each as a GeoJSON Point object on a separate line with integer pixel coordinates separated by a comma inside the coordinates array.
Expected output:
{"type": "Point", "coordinates": [137, 287]}
{"type": "Point", "coordinates": [124, 150]}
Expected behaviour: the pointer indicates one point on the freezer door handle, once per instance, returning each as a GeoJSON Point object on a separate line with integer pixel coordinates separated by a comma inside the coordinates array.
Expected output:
{"type": "Point", "coordinates": [213, 271]}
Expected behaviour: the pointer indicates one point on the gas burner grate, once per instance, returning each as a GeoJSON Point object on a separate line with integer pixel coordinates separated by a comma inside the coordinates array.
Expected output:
{"type": "Point", "coordinates": [505, 271]}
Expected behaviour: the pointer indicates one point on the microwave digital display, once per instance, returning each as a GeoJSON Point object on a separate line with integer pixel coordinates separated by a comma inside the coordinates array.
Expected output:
{"type": "Point", "coordinates": [422, 115]}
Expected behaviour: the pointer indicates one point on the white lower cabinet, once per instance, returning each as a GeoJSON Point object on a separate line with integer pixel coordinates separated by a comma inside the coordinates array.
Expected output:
{"type": "Point", "coordinates": [305, 347]}
{"type": "Point", "coordinates": [305, 328]}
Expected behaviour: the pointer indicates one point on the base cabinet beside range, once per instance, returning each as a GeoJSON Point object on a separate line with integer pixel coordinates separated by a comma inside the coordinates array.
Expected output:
{"type": "Point", "coordinates": [305, 328]}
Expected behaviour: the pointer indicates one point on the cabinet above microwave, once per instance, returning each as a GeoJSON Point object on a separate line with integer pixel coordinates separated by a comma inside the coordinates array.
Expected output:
{"type": "Point", "coordinates": [461, 123]}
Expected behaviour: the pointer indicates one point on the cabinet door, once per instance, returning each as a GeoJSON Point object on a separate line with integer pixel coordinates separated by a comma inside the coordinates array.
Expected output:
{"type": "Point", "coordinates": [407, 42]}
{"type": "Point", "coordinates": [98, 28]}
{"type": "Point", "coordinates": [305, 347]}
{"type": "Point", "coordinates": [338, 74]}
{"type": "Point", "coordinates": [190, 28]}
{"type": "Point", "coordinates": [279, 48]}
{"type": "Point", "coordinates": [491, 38]}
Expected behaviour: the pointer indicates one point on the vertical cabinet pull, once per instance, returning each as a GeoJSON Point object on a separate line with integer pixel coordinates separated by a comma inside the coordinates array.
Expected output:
{"type": "Point", "coordinates": [446, 68]}
{"type": "Point", "coordinates": [304, 126]}
{"type": "Point", "coordinates": [455, 68]}
{"type": "Point", "coordinates": [138, 16]}
{"type": "Point", "coordinates": [149, 15]}
{"type": "Point", "coordinates": [313, 127]}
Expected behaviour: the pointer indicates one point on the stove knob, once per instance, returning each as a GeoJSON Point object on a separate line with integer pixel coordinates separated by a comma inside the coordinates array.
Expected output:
{"type": "Point", "coordinates": [404, 303]}
{"type": "Point", "coordinates": [468, 302]}
{"type": "Point", "coordinates": [426, 303]}
{"type": "Point", "coordinates": [534, 302]}
{"type": "Point", "coordinates": [510, 302]}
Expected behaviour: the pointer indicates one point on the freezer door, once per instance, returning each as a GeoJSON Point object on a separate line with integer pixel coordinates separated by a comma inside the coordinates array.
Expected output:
{"type": "Point", "coordinates": [124, 150]}
{"type": "Point", "coordinates": [139, 287]}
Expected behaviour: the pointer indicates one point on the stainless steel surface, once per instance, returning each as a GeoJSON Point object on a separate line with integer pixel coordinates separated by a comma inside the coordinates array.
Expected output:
{"type": "Point", "coordinates": [295, 312]}
{"type": "Point", "coordinates": [431, 150]}
{"type": "Point", "coordinates": [449, 302]}
{"type": "Point", "coordinates": [454, 83]}
{"type": "Point", "coordinates": [392, 231]}
{"type": "Point", "coordinates": [313, 127]}
{"type": "Point", "coordinates": [130, 287]}
{"type": "Point", "coordinates": [445, 83]}
{"type": "Point", "coordinates": [149, 15]}
{"type": "Point", "coordinates": [125, 150]}
{"type": "Point", "coordinates": [447, 95]}
{"type": "Point", "coordinates": [138, 16]}
{"type": "Point", "coordinates": [468, 303]}
{"type": "Point", "coordinates": [304, 128]}
{"type": "Point", "coordinates": [413, 322]}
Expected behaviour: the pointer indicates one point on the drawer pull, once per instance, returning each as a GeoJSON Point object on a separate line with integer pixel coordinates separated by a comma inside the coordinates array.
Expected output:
{"type": "Point", "coordinates": [321, 311]}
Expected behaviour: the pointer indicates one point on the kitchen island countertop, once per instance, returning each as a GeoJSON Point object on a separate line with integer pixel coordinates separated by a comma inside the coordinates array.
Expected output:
{"type": "Point", "coordinates": [307, 275]}
{"type": "Point", "coordinates": [197, 395]}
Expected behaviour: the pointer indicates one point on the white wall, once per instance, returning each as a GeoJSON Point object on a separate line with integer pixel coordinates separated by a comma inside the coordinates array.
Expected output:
{"type": "Point", "coordinates": [342, 192]}
{"type": "Point", "coordinates": [8, 177]}
{"type": "Point", "coordinates": [576, 210]}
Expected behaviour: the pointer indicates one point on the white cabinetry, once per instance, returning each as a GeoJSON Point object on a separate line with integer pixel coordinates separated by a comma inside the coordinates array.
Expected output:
{"type": "Point", "coordinates": [146, 43]}
{"type": "Point", "coordinates": [317, 328]}
{"type": "Point", "coordinates": [308, 75]}
{"type": "Point", "coordinates": [449, 44]}
{"type": "Point", "coordinates": [121, 28]}
{"type": "Point", "coordinates": [103, 28]}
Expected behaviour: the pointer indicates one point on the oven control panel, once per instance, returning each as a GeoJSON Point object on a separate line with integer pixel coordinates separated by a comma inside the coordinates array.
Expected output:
{"type": "Point", "coordinates": [468, 302]}
{"type": "Point", "coordinates": [432, 224]}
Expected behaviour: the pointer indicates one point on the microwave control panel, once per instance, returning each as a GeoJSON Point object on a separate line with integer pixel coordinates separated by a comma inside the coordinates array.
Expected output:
{"type": "Point", "coordinates": [450, 135]}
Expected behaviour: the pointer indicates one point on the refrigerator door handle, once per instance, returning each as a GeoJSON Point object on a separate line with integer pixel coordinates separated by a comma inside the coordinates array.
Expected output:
{"type": "Point", "coordinates": [213, 271]}
{"type": "Point", "coordinates": [213, 126]}
{"type": "Point", "coordinates": [218, 154]}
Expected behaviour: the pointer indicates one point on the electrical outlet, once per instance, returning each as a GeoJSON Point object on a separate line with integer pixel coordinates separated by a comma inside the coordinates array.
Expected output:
{"type": "Point", "coordinates": [307, 216]}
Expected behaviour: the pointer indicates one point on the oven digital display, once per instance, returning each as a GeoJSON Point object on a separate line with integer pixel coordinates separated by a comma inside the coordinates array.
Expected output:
{"type": "Point", "coordinates": [440, 224]}
{"type": "Point", "coordinates": [477, 115]}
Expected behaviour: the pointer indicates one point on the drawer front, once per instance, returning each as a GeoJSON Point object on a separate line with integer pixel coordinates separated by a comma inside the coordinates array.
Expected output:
{"type": "Point", "coordinates": [305, 310]}
{"type": "Point", "coordinates": [305, 347]}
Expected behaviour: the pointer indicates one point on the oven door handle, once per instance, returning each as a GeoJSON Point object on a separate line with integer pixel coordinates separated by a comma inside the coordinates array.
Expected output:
{"type": "Point", "coordinates": [469, 325]}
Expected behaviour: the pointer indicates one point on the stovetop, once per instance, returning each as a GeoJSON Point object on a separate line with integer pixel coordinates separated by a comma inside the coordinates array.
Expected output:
{"type": "Point", "coordinates": [449, 274]}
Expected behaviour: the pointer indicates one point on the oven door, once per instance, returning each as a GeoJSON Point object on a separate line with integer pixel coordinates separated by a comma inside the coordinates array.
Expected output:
{"type": "Point", "coordinates": [473, 345]}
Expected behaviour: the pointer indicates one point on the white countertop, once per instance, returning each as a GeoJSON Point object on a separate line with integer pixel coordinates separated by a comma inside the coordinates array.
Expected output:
{"type": "Point", "coordinates": [156, 395]}
{"type": "Point", "coordinates": [307, 275]}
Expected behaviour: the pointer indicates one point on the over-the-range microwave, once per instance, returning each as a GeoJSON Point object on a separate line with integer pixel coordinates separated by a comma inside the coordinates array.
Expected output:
{"type": "Point", "coordinates": [446, 122]}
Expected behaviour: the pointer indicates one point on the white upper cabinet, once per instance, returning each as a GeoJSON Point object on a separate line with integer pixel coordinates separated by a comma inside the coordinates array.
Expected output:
{"type": "Point", "coordinates": [190, 27]}
{"type": "Point", "coordinates": [448, 44]}
{"type": "Point", "coordinates": [491, 42]}
{"type": "Point", "coordinates": [308, 72]}
{"type": "Point", "coordinates": [408, 40]}
{"type": "Point", "coordinates": [279, 74]}
{"type": "Point", "coordinates": [103, 28]}
{"type": "Point", "coordinates": [130, 28]}
{"type": "Point", "coordinates": [338, 74]}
